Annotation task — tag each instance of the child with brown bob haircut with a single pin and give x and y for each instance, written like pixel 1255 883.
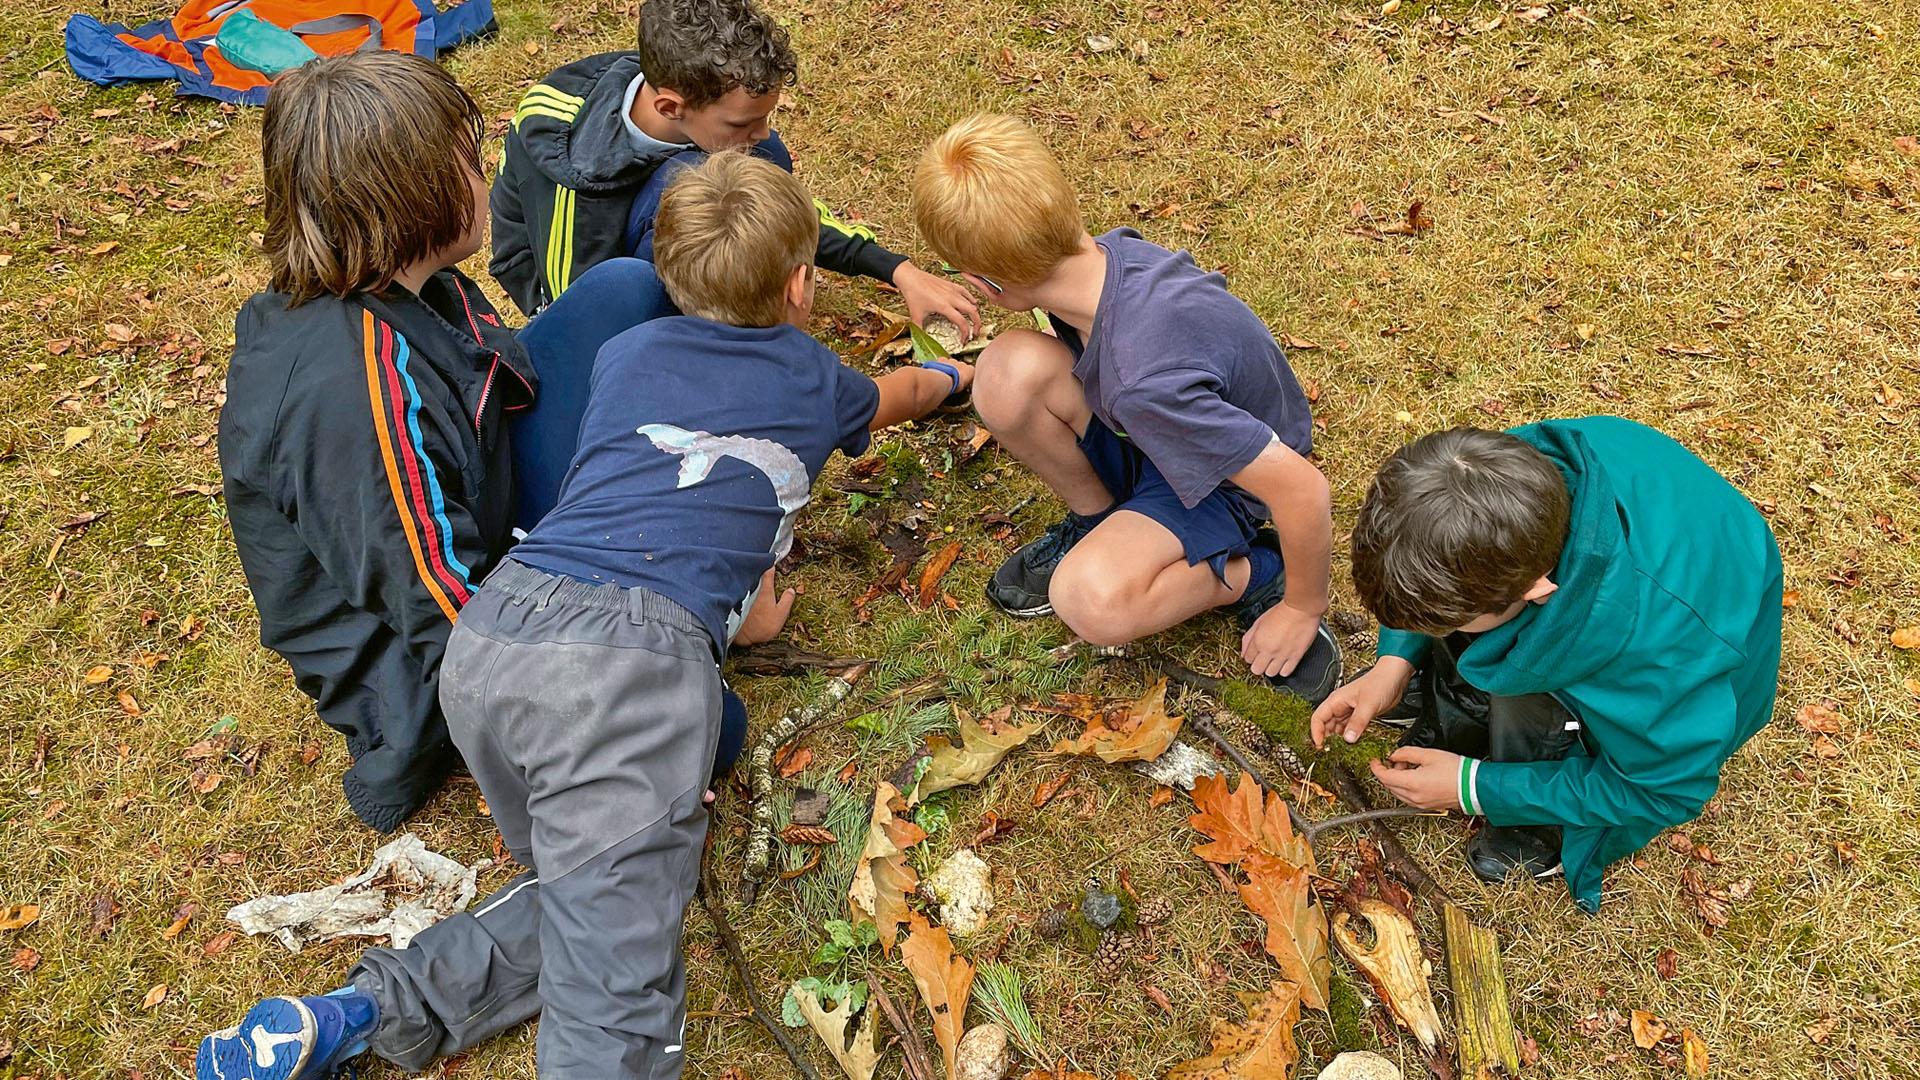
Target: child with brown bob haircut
pixel 582 682
pixel 363 442
pixel 1585 627
pixel 1160 410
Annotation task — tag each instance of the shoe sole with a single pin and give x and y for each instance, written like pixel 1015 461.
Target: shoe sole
pixel 245 1040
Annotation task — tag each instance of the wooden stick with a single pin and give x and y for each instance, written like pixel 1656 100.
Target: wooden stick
pixel 759 859
pixel 716 913
pixel 919 1065
pixel 1484 1038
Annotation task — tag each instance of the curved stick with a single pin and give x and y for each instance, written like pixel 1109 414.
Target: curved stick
pixel 716 913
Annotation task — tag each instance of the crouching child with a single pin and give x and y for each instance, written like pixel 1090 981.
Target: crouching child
pixel 1160 411
pixel 582 681
pixel 1585 627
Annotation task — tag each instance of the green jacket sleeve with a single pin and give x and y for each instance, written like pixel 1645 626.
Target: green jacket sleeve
pixel 1661 779
pixel 1407 646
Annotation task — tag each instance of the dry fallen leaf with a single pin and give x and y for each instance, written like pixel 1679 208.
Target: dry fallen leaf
pixel 856 1052
pixel 26 958
pixel 1044 792
pixel 154 996
pixel 75 436
pixel 1248 827
pixel 1667 963
pixel 219 943
pixel 937 568
pixel 1819 718
pixel 985 743
pixel 945 982
pixel 180 920
pixel 1263 1048
pixel 98 674
pixel 1648 1029
pixel 1907 637
pixel 1695 1049
pixel 1161 796
pixel 18 916
pixel 1820 1031
pixel 882 879
pixel 796 762
pixel 1142 735
pixel 127 704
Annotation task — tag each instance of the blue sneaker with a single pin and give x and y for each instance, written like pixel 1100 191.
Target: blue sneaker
pixel 284 1038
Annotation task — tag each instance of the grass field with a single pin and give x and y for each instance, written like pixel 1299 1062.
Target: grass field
pixel 1700 216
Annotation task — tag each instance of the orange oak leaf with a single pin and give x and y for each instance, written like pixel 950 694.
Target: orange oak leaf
pixel 1282 895
pixel 882 879
pixel 945 981
pixel 1242 822
pixel 1143 734
pixel 1263 1048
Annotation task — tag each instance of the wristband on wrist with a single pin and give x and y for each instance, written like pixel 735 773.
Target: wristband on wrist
pixel 1469 779
pixel 946 369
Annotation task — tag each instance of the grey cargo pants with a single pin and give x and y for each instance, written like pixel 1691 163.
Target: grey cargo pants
pixel 588 715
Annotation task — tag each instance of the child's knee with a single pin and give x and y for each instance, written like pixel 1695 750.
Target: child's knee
pixel 1014 372
pixel 1095 604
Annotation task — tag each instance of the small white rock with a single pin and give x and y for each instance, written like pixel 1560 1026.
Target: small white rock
pixel 1360 1065
pixel 1101 43
pixel 964 887
pixel 983 1054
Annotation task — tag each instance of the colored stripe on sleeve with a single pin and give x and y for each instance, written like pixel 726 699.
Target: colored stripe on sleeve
pixel 397 451
pixel 832 221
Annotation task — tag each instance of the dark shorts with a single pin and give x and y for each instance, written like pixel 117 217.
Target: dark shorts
pixel 1221 527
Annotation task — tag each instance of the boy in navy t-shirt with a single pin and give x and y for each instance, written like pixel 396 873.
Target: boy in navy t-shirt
pixel 582 681
pixel 1163 414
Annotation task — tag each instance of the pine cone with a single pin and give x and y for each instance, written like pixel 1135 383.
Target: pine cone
pixel 1115 953
pixel 1290 762
pixel 808 835
pixel 1154 912
pixel 1053 923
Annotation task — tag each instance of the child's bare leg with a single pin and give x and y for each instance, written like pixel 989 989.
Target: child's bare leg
pixel 1129 578
pixel 1026 394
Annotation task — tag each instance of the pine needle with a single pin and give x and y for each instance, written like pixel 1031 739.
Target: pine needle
pixel 996 987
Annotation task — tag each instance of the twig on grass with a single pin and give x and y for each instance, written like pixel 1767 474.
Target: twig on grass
pixel 716 913
pixel 759 860
pixel 919 1065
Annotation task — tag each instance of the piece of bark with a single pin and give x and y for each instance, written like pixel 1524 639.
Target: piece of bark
pixel 1395 966
pixel 1484 1039
pixel 779 658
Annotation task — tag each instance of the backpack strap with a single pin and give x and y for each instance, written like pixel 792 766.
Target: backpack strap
pixel 336 24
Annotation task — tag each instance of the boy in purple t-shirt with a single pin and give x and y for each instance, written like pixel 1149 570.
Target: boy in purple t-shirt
pixel 1163 414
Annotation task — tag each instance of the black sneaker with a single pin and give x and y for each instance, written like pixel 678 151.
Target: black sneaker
pixel 1500 851
pixel 1019 587
pixel 1318 672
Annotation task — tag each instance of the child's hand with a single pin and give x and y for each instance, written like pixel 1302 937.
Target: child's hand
pixel 966 374
pixel 767 617
pixel 1422 777
pixel 1277 640
pixel 1348 710
pixel 927 294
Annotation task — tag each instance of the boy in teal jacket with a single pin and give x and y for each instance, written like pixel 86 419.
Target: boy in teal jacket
pixel 1589 627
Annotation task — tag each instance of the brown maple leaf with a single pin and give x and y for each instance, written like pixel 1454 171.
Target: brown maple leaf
pixel 1244 821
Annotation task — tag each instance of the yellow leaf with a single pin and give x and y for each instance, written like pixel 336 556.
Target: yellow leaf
pixel 75 436
pixel 1648 1029
pixel 127 704
pixel 19 916
pixel 956 766
pixel 154 996
pixel 945 981
pixel 1143 735
pixel 882 879
pixel 1694 1049
pixel 98 674
pixel 858 1056
pixel 1907 637
pixel 1260 1049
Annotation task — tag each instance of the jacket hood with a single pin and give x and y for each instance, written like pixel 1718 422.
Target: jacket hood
pixel 571 126
pixel 1591 618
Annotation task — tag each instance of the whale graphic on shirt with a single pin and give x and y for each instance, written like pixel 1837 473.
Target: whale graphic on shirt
pixel 700 451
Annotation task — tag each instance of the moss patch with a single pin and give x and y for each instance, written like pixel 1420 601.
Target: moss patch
pixel 1284 718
